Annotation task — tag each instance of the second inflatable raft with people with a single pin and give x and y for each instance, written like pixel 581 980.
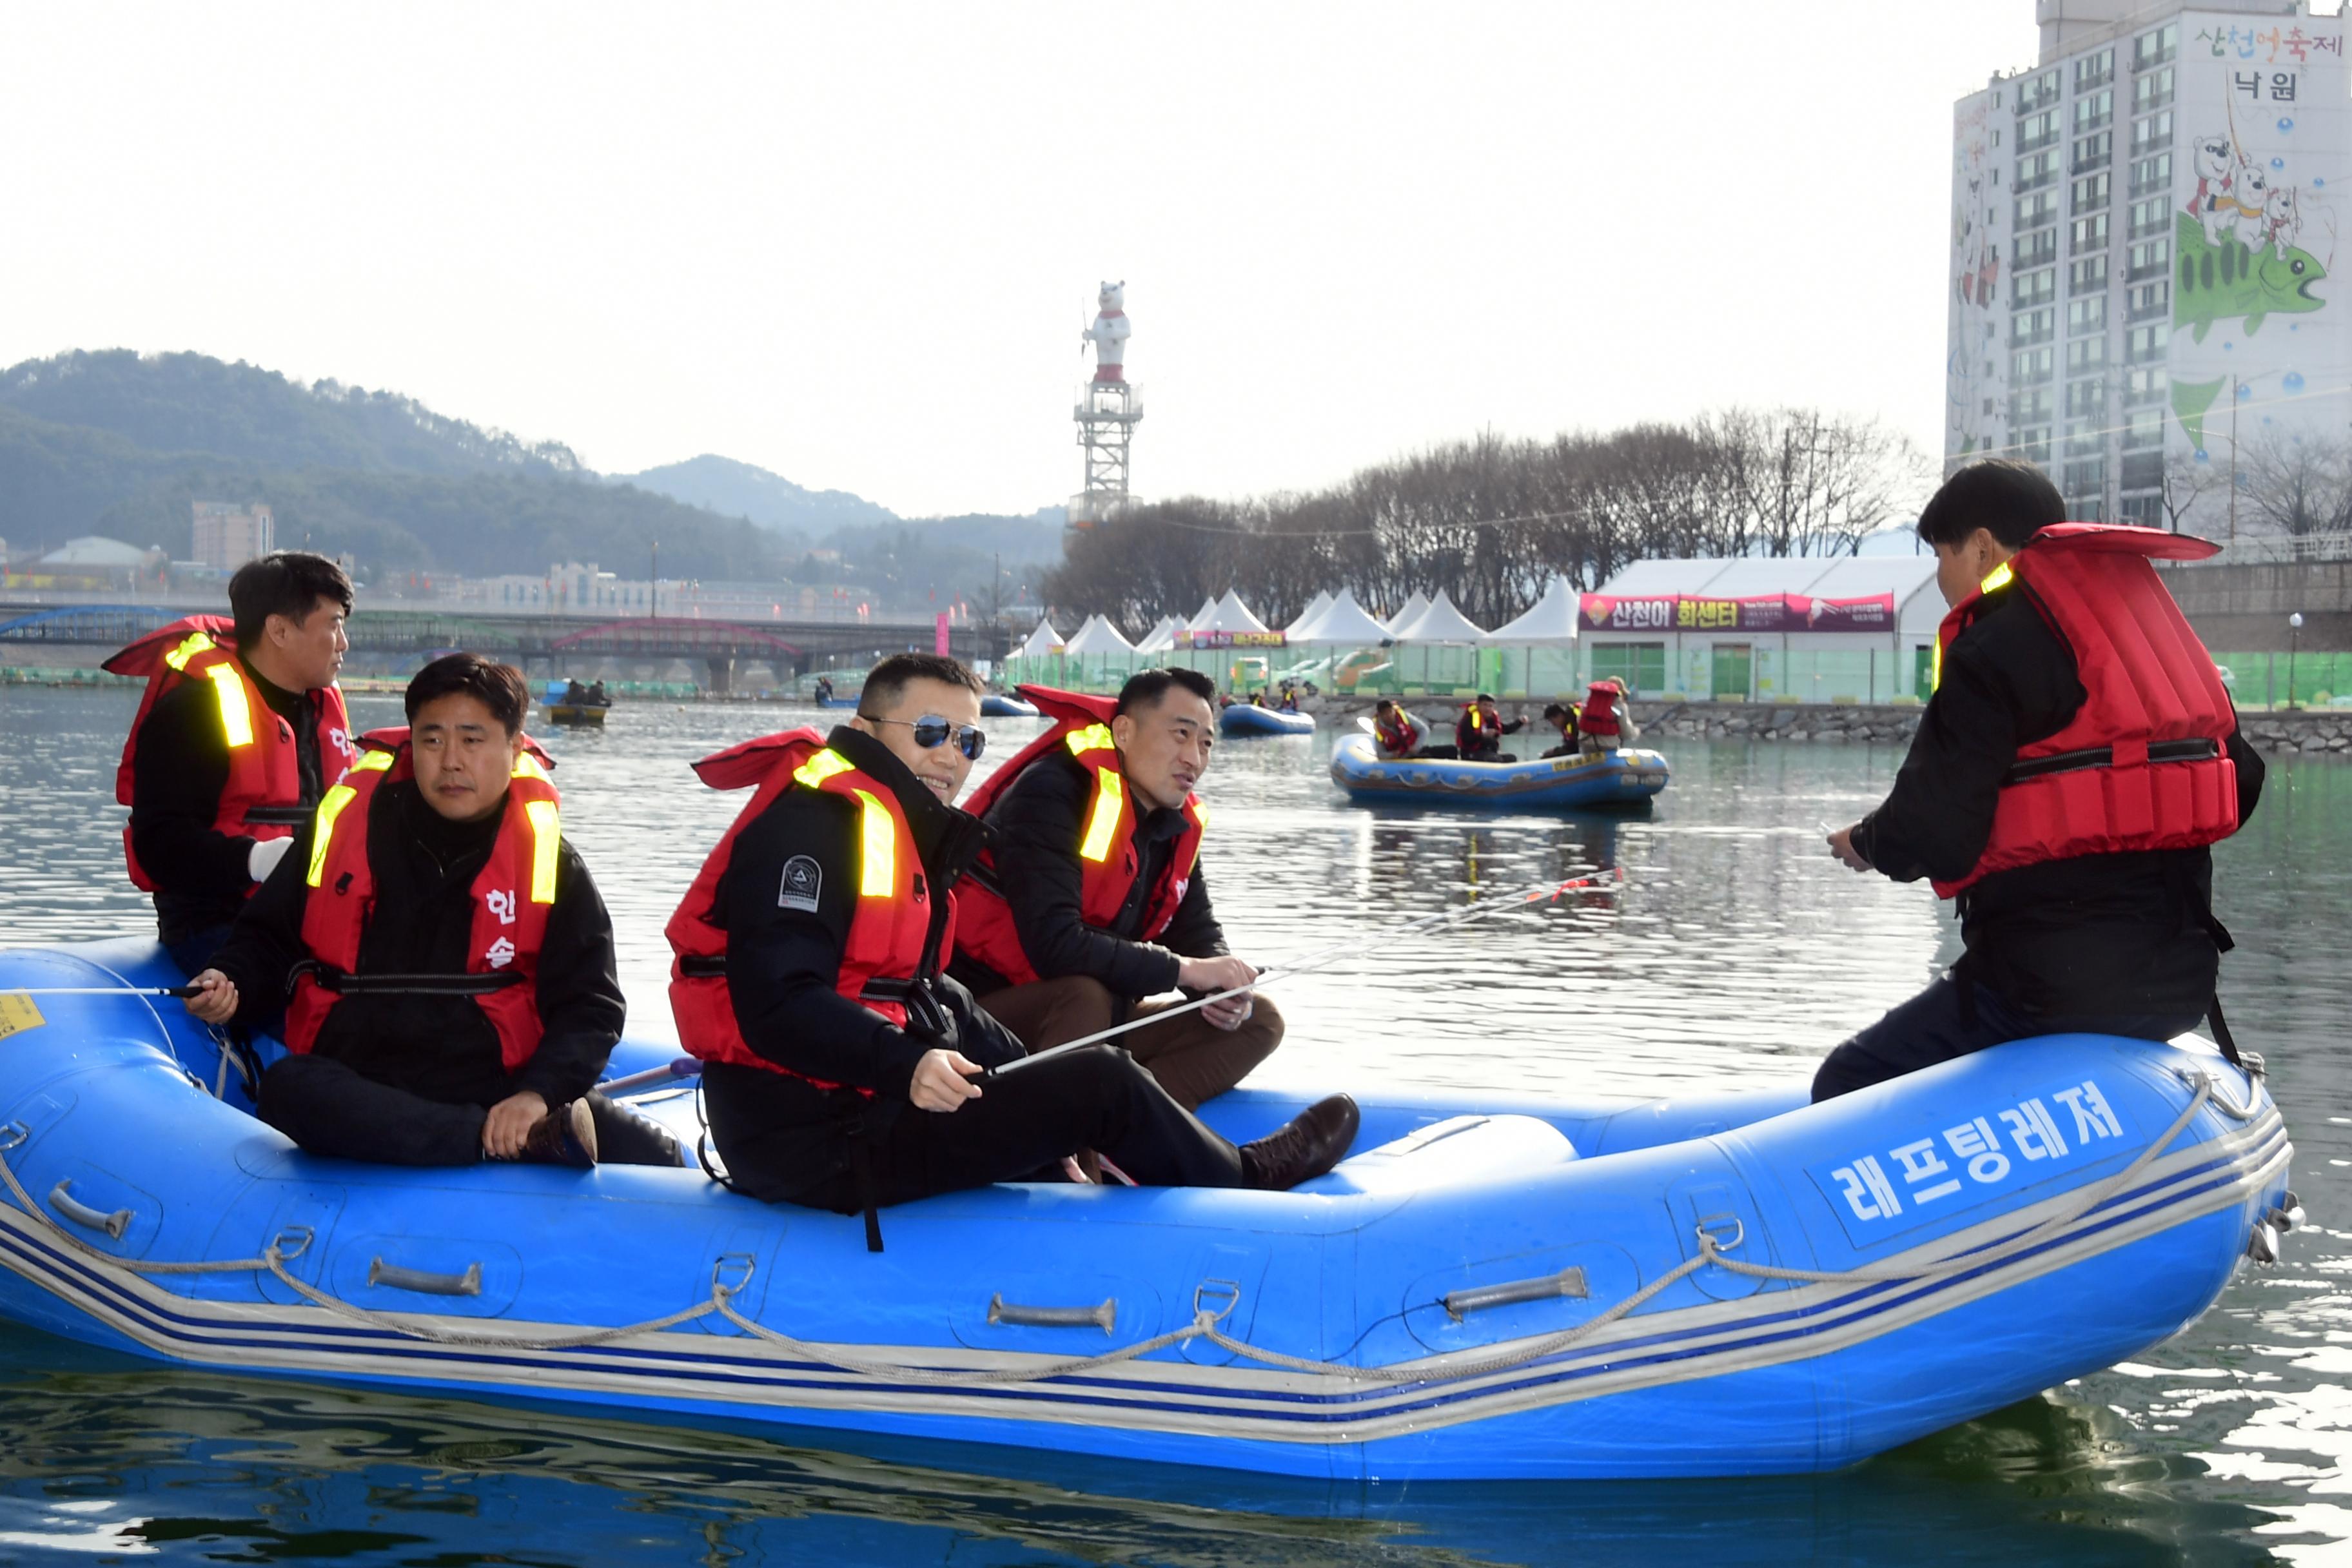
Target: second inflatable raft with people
pixel 1627 777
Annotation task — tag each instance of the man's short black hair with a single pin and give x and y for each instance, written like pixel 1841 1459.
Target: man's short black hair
pixel 497 687
pixel 887 680
pixel 1555 711
pixel 2014 500
pixel 1486 697
pixel 1149 687
pixel 289 583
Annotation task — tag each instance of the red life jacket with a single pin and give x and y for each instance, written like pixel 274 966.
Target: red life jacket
pixel 883 956
pixel 512 895
pixel 263 797
pixel 2144 764
pixel 1598 716
pixel 1107 863
pixel 1397 737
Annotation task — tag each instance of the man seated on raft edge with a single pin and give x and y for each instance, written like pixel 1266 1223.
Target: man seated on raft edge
pixel 443 858
pixel 839 1060
pixel 1478 734
pixel 1093 896
pixel 1561 716
pixel 2059 936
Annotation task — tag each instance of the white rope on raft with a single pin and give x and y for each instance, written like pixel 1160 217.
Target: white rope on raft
pixel 1205 1319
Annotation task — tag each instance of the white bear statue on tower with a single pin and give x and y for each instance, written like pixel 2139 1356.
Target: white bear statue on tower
pixel 1109 332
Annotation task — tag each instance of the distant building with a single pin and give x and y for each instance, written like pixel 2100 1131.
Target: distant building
pixel 2137 225
pixel 228 535
pixel 87 564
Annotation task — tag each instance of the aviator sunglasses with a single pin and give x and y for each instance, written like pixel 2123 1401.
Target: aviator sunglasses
pixel 930 729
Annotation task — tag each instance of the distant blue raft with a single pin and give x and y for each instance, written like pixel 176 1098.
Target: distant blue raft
pixel 996 705
pixel 1620 778
pixel 1248 718
pixel 1495 1287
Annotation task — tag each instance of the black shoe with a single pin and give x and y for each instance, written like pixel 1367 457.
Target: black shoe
pixel 1302 1148
pixel 564 1136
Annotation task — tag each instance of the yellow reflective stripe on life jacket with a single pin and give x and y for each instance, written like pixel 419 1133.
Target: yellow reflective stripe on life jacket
pixel 322 830
pixel 1999 577
pixel 1936 668
pixel 877 872
pixel 236 714
pixel 1110 794
pixel 1093 738
pixel 194 644
pixel 546 835
pixel 528 767
pixel 821 767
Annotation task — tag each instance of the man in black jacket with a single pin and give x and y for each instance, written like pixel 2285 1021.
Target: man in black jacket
pixel 289 609
pixel 1084 976
pixel 837 1084
pixel 404 1074
pixel 2120 943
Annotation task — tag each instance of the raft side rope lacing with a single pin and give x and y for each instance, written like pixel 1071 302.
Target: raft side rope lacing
pixel 1205 1318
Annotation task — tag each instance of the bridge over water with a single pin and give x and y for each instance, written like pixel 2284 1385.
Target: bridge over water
pixel 542 644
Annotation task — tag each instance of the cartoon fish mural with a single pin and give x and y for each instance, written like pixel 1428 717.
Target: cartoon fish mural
pixel 2216 282
pixel 2190 399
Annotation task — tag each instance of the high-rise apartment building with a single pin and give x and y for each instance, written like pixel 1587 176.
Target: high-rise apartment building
pixel 230 535
pixel 2143 230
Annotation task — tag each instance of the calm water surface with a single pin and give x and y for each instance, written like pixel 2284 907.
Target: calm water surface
pixel 1732 949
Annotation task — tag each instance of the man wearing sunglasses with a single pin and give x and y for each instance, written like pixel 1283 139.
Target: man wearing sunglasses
pixel 1091 897
pixel 838 1060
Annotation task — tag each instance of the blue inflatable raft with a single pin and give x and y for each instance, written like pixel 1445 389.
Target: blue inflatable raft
pixel 1491 1287
pixel 997 705
pixel 1622 778
pixel 1248 718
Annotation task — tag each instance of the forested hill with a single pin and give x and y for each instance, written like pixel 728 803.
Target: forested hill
pixel 117 444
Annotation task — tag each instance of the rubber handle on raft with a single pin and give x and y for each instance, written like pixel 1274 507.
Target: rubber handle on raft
pixel 1102 1316
pixel 470 1283
pixel 62 1200
pixel 1459 1304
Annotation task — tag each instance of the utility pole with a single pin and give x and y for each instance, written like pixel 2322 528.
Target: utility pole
pixel 2234 459
pixel 653 585
pixel 996 588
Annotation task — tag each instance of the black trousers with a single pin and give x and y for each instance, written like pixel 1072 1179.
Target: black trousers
pixel 1022 1124
pixel 1936 1026
pixel 329 1109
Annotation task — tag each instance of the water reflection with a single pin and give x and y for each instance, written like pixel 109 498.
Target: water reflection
pixel 1733 949
pixel 189 1467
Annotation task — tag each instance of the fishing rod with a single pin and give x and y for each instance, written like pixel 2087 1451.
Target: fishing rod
pixel 1437 919
pixel 182 992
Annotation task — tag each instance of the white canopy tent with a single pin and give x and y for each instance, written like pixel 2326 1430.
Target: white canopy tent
pixel 1097 635
pixel 1043 641
pixel 1229 614
pixel 1162 636
pixel 1303 627
pixel 1203 616
pixel 1410 614
pixel 1550 622
pixel 1345 624
pixel 1439 623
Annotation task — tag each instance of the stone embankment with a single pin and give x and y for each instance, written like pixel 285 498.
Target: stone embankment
pixel 2305 730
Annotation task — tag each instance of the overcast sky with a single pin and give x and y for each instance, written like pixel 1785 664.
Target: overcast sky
pixel 855 243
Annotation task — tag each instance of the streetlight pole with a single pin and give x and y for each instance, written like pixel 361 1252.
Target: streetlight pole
pixel 653 587
pixel 2294 640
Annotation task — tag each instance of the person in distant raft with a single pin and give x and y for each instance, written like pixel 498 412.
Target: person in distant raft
pixel 1091 898
pixel 241 731
pixel 1561 716
pixel 451 962
pixel 1478 734
pixel 1398 734
pixel 1601 722
pixel 2078 756
pixel 838 1060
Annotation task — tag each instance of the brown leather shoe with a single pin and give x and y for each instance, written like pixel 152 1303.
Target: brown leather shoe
pixel 1302 1148
pixel 564 1136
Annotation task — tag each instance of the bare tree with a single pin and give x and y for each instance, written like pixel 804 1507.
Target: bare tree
pixel 2295 485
